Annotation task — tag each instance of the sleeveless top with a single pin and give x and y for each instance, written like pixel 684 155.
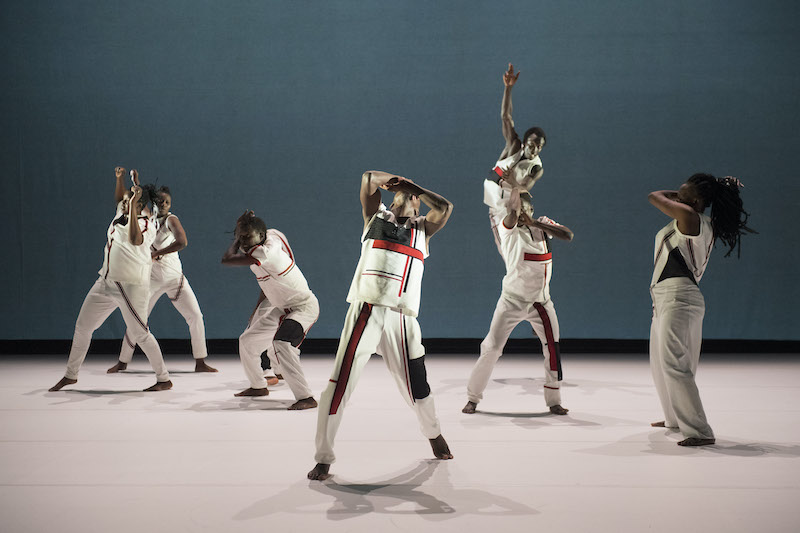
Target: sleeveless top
pixel 677 255
pixel 123 261
pixel 168 266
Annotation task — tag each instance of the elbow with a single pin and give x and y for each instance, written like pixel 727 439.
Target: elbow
pixel 183 243
pixel 569 236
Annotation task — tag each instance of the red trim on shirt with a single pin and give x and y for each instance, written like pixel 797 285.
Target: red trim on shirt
pixel 403 279
pixel 288 251
pixel 497 170
pixel 399 248
pixel 538 257
pixel 250 254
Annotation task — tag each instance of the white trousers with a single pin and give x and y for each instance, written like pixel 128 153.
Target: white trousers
pixel 260 334
pixel 103 298
pixel 397 338
pixel 507 315
pixel 676 334
pixel 183 299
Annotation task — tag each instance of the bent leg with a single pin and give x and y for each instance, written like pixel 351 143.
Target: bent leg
pixel 252 342
pixel 128 346
pixel 132 301
pixel 187 305
pixel 96 308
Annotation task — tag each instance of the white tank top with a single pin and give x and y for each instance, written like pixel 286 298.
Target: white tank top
pixel 521 168
pixel 389 271
pixel 529 263
pixel 123 261
pixel 679 255
pixel 167 266
pixel 277 273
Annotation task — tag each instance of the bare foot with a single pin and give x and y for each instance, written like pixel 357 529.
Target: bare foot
pixel 320 472
pixel 469 408
pixel 63 383
pixel 695 441
pixel 659 424
pixel 160 385
pixel 201 366
pixel 305 403
pixel 253 392
pixel 272 381
pixel 558 410
pixel 440 448
pixel 116 368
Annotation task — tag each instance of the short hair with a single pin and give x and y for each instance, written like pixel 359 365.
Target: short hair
pixel 538 131
pixel 164 189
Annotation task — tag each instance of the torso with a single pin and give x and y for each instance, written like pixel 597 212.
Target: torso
pixel 167 266
pixel 123 261
pixel 277 272
pixel 682 256
pixel 529 263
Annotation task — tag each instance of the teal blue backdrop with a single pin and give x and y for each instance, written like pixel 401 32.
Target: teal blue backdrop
pixel 279 106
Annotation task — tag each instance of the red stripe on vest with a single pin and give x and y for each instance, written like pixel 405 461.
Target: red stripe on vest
pixel 497 170
pixel 539 257
pixel 399 248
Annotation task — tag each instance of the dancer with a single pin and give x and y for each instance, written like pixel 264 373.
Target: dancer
pixel 519 163
pixel 166 277
pixel 682 250
pixel 525 248
pixel 384 302
pixel 285 311
pixel 123 283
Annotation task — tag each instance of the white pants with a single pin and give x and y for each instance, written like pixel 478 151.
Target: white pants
pixel 397 338
pixel 182 297
pixel 260 334
pixel 676 334
pixel 507 315
pixel 103 298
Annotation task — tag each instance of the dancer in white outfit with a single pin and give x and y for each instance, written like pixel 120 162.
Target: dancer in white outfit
pixel 519 164
pixel 124 283
pixel 166 277
pixel 384 302
pixel 285 311
pixel 526 251
pixel 682 250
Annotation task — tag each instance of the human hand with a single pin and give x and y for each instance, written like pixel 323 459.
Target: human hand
pixel 134 176
pixel 137 193
pixel 730 180
pixel 509 78
pixel 398 183
pixel 119 172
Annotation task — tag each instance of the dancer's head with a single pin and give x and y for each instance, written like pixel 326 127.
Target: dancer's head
pixel 728 217
pixel 533 142
pixel 250 230
pixel 163 200
pixel 404 201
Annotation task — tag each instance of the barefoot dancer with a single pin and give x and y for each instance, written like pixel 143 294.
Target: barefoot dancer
pixel 166 277
pixel 285 311
pixel 124 283
pixel 525 248
pixel 384 301
pixel 682 250
pixel 519 162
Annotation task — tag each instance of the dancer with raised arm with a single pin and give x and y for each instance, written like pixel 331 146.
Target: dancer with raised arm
pixel 384 302
pixel 682 251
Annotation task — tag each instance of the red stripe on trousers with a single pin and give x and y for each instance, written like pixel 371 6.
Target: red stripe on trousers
pixel 399 248
pixel 548 332
pixel 349 355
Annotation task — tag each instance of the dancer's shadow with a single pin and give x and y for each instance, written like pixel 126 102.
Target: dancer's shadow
pixel 399 495
pixel 259 403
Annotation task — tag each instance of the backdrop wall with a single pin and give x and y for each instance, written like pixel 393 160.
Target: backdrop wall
pixel 280 106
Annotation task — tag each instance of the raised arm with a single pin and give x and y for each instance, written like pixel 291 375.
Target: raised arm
pixel 509 133
pixel 558 231
pixel 667 202
pixel 120 189
pixel 134 231
pixel 372 181
pixel 181 241
pixel 233 256
pixel 440 207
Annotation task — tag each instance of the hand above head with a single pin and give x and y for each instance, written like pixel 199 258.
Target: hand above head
pixel 137 193
pixel 730 180
pixel 119 172
pixel 509 77
pixel 134 176
pixel 525 218
pixel 398 183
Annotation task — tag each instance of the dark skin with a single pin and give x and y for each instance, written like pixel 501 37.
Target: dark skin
pixel 533 144
pixel 405 205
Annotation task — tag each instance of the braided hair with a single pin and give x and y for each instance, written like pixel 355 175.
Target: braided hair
pixel 728 217
pixel 149 196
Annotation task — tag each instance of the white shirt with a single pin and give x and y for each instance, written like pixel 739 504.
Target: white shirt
pixel 123 261
pixel 277 272
pixel 529 262
pixel 168 266
pixel 678 252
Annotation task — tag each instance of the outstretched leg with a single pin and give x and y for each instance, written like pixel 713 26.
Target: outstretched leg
pixel 545 325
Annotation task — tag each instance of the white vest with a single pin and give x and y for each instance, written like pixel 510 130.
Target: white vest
pixel 123 261
pixel 529 263
pixel 167 266
pixel 277 273
pixel 679 255
pixel 389 272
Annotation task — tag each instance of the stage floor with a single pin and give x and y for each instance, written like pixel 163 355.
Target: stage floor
pixel 101 456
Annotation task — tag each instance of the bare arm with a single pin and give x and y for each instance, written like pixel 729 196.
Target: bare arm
pixel 440 207
pixel 181 241
pixel 372 181
pixel 548 226
pixel 514 208
pixel 667 202
pixel 134 231
pixel 234 257
pixel 509 133
pixel 120 189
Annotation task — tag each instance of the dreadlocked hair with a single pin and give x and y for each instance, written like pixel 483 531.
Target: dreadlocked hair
pixel 728 217
pixel 254 223
pixel 149 195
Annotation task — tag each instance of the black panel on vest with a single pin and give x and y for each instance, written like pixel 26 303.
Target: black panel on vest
pixel 676 267
pixel 381 230
pixel 419 378
pixel 290 331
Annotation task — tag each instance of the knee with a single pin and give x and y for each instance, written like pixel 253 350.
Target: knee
pixel 290 331
pixel 139 336
pixel 419 378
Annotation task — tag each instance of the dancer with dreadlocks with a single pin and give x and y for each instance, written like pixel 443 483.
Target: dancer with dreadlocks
pixel 285 311
pixel 124 282
pixel 682 250
pixel 166 277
